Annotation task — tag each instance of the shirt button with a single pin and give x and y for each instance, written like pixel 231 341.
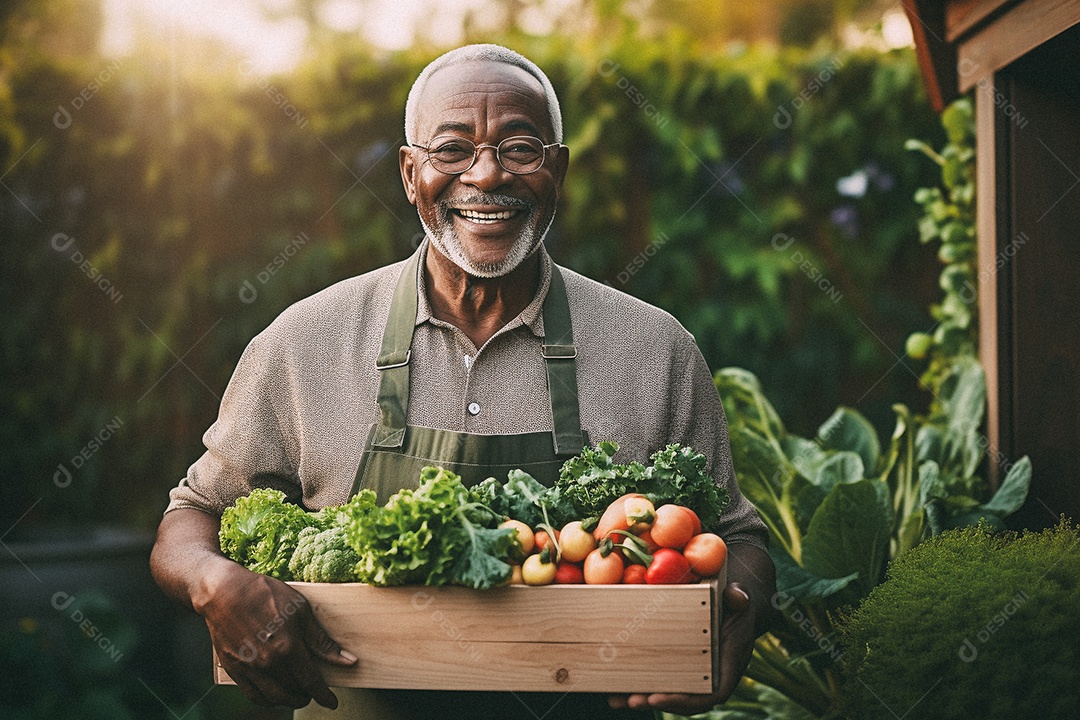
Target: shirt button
pixel 474 408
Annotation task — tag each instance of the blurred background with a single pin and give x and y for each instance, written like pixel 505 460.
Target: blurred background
pixel 176 174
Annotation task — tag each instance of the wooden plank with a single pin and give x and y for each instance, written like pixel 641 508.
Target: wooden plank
pixel 936 57
pixel 987 210
pixel 526 667
pixel 1042 266
pixel 671 614
pixel 1024 27
pixel 569 638
pixel 963 16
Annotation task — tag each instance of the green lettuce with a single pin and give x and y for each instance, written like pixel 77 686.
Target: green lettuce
pixel 261 530
pixel 436 534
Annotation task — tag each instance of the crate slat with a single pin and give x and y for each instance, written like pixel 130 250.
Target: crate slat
pixel 570 638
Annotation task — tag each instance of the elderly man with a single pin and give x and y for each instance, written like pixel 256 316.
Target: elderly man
pixel 477 354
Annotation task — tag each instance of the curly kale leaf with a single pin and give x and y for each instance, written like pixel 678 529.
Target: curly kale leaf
pixel 679 475
pixel 591 481
pixel 323 556
pixel 261 530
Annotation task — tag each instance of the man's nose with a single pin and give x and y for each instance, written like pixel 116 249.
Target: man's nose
pixel 486 173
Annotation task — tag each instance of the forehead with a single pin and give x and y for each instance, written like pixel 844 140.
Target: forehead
pixel 482 95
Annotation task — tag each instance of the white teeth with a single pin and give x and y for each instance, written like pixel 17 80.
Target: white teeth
pixel 482 217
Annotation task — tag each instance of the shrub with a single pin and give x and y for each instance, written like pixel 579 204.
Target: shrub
pixel 971 623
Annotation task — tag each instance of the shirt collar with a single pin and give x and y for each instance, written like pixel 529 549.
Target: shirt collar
pixel 531 317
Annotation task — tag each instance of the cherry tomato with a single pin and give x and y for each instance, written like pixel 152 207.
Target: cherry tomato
pixel 541 539
pixel 634 575
pixel 569 573
pixel 706 554
pixel 668 567
pixel 601 570
pixel 694 517
pixel 673 527
pixel 525 539
pixel 535 571
pixel 576 544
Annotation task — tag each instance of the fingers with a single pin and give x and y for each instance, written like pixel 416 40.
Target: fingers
pixel 321 644
pixel 275 662
pixel 736 649
pixel 678 703
pixel 735 597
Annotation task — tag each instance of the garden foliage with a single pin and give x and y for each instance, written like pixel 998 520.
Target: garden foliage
pixel 761 195
pixel 842 504
pixel 972 623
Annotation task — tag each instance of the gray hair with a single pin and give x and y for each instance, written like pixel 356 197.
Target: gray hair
pixel 486 51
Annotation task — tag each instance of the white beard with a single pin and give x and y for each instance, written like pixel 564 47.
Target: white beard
pixel 447 242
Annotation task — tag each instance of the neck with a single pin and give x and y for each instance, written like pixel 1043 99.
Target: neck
pixel 479 307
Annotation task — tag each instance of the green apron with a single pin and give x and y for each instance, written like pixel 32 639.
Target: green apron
pixel 393 457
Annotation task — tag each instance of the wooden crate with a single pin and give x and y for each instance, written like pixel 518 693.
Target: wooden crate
pixel 567 638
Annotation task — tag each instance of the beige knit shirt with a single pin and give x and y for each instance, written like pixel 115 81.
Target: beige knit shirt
pixel 298 408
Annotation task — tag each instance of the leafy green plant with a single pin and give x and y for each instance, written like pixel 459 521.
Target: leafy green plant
pixel 971 623
pixel 841 505
pixel 949 218
pixel 838 507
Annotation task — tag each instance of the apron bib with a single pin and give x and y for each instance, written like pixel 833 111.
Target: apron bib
pixel 393 457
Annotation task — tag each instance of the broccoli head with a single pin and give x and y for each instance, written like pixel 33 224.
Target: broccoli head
pixel 323 556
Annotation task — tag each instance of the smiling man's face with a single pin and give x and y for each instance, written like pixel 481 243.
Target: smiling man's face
pixel 486 220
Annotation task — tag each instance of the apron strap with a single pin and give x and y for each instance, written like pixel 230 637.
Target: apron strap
pixel 394 356
pixel 558 351
pixel 559 357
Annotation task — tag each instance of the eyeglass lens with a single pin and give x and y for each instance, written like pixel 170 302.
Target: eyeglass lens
pixel 455 155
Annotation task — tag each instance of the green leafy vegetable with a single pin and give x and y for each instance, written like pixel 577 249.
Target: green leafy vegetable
pixel 519 497
pixel 261 531
pixel 323 556
pixel 591 481
pixel 433 535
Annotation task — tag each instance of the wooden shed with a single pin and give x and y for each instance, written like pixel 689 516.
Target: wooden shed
pixel 1021 61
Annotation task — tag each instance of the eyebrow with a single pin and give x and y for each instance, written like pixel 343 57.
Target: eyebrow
pixel 465 128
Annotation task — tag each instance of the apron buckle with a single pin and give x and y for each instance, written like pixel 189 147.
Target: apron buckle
pixel 385 362
pixel 559 352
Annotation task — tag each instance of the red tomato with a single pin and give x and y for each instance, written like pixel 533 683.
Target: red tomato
pixel 673 527
pixel 634 575
pixel 569 573
pixel 668 567
pixel 706 554
pixel 601 570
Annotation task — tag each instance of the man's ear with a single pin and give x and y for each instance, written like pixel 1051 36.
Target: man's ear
pixel 408 169
pixel 560 162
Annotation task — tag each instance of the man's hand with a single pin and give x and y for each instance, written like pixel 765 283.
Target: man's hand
pixel 265 634
pixel 268 640
pixel 748 612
